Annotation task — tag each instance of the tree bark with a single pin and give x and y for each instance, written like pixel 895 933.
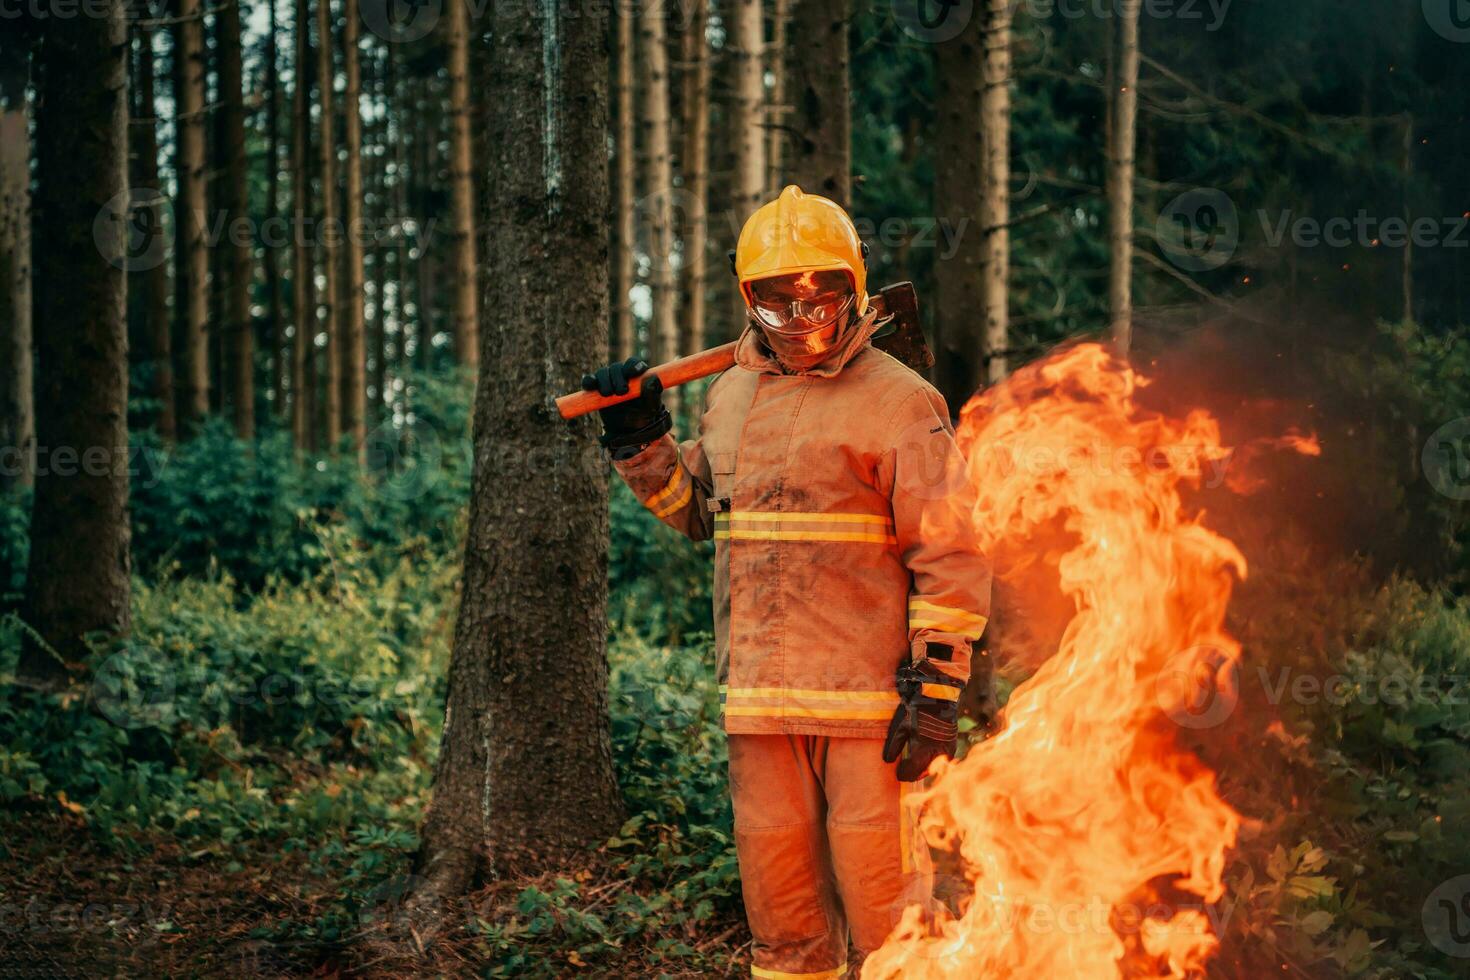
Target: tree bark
pixel 995 116
pixel 303 288
pixel 191 278
pixel 658 180
pixel 330 231
pixel 158 330
pixel 959 183
pixel 461 185
pixel 625 230
pixel 747 109
pixel 778 112
pixel 239 329
pixel 275 331
pixel 821 93
pixel 78 580
pixel 694 160
pixel 378 325
pixel 353 364
pixel 1124 97
pixel 17 396
pixel 525 764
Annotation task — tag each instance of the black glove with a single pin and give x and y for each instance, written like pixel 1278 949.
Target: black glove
pixel 928 725
pixel 635 423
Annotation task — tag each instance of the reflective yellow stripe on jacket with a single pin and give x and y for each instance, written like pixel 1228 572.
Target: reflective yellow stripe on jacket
pixel 924 615
pixel 765 974
pixel 675 494
pixel 786 702
pixel 756 525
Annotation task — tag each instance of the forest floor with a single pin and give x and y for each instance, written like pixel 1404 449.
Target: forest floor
pixel 147 907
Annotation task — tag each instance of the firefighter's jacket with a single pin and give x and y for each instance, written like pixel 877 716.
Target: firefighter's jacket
pixel 843 535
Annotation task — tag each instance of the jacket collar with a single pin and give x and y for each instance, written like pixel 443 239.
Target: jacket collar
pixel 752 355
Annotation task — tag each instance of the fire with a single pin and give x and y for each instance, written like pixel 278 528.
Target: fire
pixel 1093 842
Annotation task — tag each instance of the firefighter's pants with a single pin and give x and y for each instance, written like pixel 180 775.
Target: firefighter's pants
pixel 825 846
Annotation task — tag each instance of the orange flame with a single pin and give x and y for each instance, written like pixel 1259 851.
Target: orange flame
pixel 1092 842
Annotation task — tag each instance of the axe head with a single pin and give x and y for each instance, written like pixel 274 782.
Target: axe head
pixel 899 333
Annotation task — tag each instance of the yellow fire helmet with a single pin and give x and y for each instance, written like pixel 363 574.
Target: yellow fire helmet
pixel 800 233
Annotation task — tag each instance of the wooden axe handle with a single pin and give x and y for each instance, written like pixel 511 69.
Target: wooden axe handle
pixel 675 373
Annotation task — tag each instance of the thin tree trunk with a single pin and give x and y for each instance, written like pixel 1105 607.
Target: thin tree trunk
pixel 995 112
pixel 695 162
pixel 1407 269
pixel 625 231
pixel 78 580
pixel 275 331
pixel 959 182
pixel 158 329
pixel 1120 179
pixel 239 328
pixel 303 289
pixel 778 112
pixel 461 186
pixel 658 179
pixel 378 341
pixel 17 397
pixel 353 361
pixel 400 208
pixel 747 109
pixel 191 278
pixel 426 139
pixel 821 93
pixel 331 231
pixel 529 551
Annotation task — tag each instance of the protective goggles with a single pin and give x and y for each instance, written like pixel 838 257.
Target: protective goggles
pixel 802 302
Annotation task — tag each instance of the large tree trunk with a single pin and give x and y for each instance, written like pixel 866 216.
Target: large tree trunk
pixel 625 193
pixel 353 362
pixel 239 329
pixel 1124 99
pixel 959 204
pixel 995 116
pixel 525 764
pixel 461 186
pixel 191 278
pixel 275 331
pixel 78 580
pixel 303 289
pixel 821 92
pixel 658 180
pixel 158 331
pixel 331 231
pixel 17 400
pixel 694 161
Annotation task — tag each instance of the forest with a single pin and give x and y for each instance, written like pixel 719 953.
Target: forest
pixel 328 647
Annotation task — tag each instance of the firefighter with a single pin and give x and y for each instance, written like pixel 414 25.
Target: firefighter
pixel 847 590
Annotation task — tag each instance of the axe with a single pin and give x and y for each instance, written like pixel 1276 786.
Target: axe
pixel 899 334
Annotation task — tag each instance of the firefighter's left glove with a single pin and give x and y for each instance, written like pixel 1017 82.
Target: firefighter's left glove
pixel 927 720
pixel 629 426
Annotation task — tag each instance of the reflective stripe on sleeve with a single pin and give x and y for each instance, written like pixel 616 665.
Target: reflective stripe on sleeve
pixel 765 974
pixel 925 615
pixel 942 692
pixel 675 494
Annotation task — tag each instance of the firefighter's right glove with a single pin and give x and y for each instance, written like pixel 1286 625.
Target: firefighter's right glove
pixel 629 426
pixel 927 720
